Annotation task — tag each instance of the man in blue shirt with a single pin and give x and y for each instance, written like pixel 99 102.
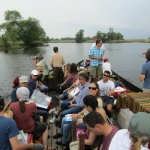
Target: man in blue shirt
pixel 95 55
pixel 9 132
pixel 145 73
pixel 74 105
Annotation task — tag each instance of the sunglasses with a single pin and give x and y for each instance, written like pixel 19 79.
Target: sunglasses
pixel 40 71
pixel 81 79
pixel 92 88
pixel 106 75
pixel 35 75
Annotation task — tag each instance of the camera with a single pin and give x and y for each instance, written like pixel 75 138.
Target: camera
pixel 33 57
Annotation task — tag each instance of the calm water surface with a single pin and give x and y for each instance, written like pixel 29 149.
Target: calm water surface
pixel 126 59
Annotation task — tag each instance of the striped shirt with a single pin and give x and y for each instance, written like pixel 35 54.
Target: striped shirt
pixel 94 51
pixel 84 90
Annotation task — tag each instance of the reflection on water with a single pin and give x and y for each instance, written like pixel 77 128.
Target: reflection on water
pixel 125 60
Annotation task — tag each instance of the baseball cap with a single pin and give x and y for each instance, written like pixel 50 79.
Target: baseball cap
pixel 34 72
pixel 105 59
pixel 23 93
pixel 23 79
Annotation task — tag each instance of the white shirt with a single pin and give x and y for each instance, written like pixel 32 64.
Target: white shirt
pixel 121 141
pixel 105 87
pixel 106 66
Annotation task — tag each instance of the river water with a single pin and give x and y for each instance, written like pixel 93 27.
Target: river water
pixel 126 59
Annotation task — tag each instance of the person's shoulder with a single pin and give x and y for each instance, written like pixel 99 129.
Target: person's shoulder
pixel 99 82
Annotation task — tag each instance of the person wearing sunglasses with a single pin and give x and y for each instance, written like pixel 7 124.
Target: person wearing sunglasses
pixel 106 87
pixel 91 104
pixel 32 79
pixel 135 137
pixel 43 88
pixel 75 104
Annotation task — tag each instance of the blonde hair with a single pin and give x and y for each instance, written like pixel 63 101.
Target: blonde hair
pixel 39 68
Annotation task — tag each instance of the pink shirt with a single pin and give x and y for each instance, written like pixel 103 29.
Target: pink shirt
pixel 72 78
pixel 24 120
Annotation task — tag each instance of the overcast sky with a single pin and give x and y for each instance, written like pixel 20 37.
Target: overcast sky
pixel 64 18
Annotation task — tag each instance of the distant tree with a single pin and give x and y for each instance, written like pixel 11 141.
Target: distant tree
pixel 119 36
pixel 17 28
pixel 101 36
pixel 80 36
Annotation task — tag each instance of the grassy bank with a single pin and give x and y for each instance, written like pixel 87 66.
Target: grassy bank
pixel 115 41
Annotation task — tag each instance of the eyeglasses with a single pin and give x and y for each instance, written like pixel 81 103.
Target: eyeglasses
pixel 92 88
pixel 105 75
pixel 40 71
pixel 81 79
pixel 35 75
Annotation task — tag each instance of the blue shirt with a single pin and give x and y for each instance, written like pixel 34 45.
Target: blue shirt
pixel 146 71
pixel 8 129
pixel 84 90
pixel 32 83
pixel 94 51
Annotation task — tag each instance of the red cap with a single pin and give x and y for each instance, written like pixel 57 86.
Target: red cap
pixel 105 59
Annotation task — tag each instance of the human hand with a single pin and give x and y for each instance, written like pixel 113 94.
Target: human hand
pixel 109 93
pixel 75 116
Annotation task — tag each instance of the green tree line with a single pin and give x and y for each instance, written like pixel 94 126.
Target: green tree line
pixel 105 37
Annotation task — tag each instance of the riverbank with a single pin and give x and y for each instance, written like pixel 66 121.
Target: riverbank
pixel 20 45
pixel 114 41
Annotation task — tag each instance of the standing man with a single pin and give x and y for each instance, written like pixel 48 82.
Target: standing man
pixel 56 61
pixel 95 55
pixel 9 132
pixel 102 47
pixel 145 73
pixel 106 88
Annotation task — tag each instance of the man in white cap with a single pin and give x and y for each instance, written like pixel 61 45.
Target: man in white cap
pixel 9 132
pixel 136 137
pixel 23 82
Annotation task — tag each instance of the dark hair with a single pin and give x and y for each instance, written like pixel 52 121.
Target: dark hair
pixel 2 103
pixel 55 49
pixel 98 41
pixel 22 106
pixel 91 101
pixel 73 69
pixel 98 92
pixel 85 76
pixel 148 54
pixel 93 118
pixel 108 72
pixel 16 82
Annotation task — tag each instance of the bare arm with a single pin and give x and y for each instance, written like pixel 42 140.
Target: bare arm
pixel 8 114
pixel 34 62
pixel 94 57
pixel 142 77
pixel 91 139
pixel 20 146
pixel 111 92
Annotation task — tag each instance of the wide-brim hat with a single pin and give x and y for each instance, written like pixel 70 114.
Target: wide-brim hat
pixel 39 55
pixel 139 125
